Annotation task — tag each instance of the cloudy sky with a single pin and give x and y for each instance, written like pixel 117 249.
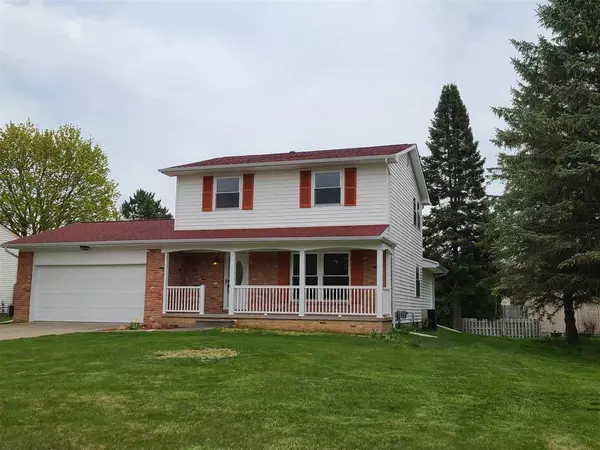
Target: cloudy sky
pixel 164 83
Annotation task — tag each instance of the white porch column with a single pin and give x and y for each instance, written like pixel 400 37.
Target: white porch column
pixel 231 283
pixel 302 284
pixel 379 292
pixel 166 282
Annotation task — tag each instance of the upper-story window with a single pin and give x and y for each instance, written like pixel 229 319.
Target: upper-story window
pixel 328 188
pixel 227 194
pixel 417 213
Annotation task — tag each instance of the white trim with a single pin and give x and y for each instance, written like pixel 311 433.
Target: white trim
pixel 144 243
pixel 314 187
pixel 320 264
pixel 174 171
pixel 379 285
pixel 32 293
pixel 239 191
pixel 433 266
pixel 417 166
pixel 301 281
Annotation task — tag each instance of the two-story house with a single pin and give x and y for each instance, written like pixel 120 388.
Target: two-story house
pixel 327 239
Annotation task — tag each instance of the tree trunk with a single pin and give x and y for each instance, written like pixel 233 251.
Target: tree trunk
pixel 457 315
pixel 570 327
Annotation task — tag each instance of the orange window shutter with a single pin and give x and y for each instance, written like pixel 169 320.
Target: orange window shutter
pixel 283 268
pixel 248 191
pixel 305 189
pixel 356 268
pixel 350 186
pixel 207 193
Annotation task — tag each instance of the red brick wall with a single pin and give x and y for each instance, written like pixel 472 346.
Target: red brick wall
pixel 23 287
pixel 369 266
pixel 199 269
pixel 177 263
pixel 153 305
pixel 334 326
pixel 264 268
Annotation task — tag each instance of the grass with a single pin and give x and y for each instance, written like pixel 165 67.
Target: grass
pixel 279 391
pixel 5 319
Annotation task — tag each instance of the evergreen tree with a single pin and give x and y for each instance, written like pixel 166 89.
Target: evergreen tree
pixel 455 226
pixel 143 206
pixel 547 226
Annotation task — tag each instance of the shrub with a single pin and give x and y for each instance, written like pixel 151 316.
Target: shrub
pixel 135 324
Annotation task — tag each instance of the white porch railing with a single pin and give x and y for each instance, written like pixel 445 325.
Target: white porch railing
pixel 184 299
pixel 341 300
pixel 323 300
pixel 266 299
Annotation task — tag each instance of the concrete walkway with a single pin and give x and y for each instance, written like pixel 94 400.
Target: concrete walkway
pixel 34 329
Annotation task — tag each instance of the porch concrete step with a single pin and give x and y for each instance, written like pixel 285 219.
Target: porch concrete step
pixel 214 323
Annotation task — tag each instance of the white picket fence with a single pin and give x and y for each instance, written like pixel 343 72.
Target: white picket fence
pixel 512 327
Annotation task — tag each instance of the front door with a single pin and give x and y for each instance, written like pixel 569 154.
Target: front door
pixel 240 277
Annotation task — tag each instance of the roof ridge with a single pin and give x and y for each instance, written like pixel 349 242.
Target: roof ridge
pixel 341 149
pixel 297 156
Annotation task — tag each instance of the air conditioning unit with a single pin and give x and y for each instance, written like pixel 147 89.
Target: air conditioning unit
pixel 428 319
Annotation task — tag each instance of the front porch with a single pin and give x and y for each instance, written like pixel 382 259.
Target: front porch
pixel 313 284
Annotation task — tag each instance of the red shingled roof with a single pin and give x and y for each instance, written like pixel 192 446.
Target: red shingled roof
pixel 163 230
pixel 381 150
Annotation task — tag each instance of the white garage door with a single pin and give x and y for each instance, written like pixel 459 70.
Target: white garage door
pixel 88 293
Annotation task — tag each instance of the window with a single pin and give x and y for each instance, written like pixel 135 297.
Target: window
pixel 418 282
pixel 328 188
pixel 335 269
pixel 228 193
pixel 417 218
pixel 312 274
pixel 331 269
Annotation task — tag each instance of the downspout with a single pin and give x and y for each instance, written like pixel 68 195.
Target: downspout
pixel 11 253
pixel 391 268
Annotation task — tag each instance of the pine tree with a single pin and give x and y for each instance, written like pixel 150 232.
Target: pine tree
pixel 455 226
pixel 143 206
pixel 547 226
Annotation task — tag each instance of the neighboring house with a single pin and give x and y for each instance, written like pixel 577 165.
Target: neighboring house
pixel 327 239
pixel 587 319
pixel 8 270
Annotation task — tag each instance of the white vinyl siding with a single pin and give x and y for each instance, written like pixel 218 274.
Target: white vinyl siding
pixel 8 268
pixel 276 203
pixel 408 253
pixel 428 289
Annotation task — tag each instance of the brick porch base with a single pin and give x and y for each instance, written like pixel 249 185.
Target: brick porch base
pixel 351 325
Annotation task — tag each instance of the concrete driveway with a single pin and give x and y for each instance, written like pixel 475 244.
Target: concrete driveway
pixel 34 329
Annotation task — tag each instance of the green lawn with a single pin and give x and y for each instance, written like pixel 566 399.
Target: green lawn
pixel 112 390
pixel 5 319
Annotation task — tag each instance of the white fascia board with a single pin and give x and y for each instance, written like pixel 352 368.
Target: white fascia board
pixel 164 242
pixel 419 175
pixel 174 171
pixel 433 266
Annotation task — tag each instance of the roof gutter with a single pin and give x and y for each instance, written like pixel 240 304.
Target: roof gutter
pixel 173 171
pixel 188 241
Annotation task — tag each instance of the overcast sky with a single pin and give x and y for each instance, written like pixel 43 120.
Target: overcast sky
pixel 163 83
